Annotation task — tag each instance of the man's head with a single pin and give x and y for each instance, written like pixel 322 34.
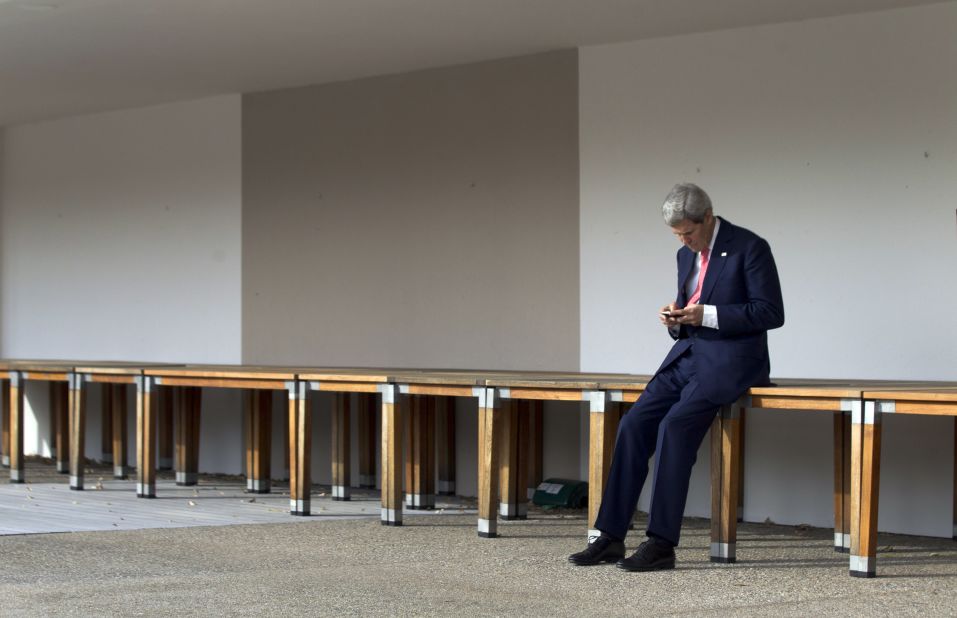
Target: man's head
pixel 687 209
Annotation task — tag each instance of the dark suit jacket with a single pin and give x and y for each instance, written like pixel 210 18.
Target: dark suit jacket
pixel 742 282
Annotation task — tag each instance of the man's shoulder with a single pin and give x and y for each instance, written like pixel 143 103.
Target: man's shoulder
pixel 739 234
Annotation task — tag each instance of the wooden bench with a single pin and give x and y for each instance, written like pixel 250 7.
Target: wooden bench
pixel 180 388
pixel 838 398
pixel 366 383
pixel 845 400
pixel 406 401
pixel 184 384
pixel 512 389
pixel 417 405
pixel 115 378
pixel 933 400
pixel 412 403
pixel 509 434
pixel 856 437
pixel 409 424
pixel 15 375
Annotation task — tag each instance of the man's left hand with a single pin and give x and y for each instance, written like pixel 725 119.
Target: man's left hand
pixel 690 315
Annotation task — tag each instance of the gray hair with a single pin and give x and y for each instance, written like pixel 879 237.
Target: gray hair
pixel 686 201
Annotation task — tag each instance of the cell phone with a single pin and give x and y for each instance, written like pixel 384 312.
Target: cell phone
pixel 668 314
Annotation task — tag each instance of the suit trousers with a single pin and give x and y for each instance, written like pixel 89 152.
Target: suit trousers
pixel 670 419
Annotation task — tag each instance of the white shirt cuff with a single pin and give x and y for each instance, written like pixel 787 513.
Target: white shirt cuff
pixel 710 317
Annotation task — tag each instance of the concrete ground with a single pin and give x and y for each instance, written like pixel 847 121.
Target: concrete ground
pixel 438 565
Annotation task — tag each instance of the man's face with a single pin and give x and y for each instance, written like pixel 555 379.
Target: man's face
pixel 695 236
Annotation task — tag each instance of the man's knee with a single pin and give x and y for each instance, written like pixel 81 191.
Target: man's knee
pixel 684 429
pixel 636 421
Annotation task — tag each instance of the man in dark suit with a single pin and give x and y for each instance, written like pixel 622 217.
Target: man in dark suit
pixel 728 298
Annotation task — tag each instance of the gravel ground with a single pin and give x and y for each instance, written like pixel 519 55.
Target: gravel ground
pixel 438 565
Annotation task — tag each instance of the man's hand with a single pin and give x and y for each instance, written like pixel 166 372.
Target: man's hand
pixel 666 315
pixel 689 316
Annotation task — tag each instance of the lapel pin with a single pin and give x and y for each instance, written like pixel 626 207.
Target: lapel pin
pixel 724 254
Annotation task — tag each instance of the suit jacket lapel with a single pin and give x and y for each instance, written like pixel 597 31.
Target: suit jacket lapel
pixel 717 261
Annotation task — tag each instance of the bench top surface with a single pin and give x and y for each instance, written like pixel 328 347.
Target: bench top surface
pixel 842 389
pixel 890 390
pixel 941 394
pixel 549 380
pixel 345 374
pixel 624 383
pixel 118 367
pixel 40 365
pixel 544 382
pixel 566 380
pixel 236 372
pixel 80 366
pixel 438 378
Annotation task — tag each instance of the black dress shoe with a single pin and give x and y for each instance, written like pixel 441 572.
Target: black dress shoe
pixel 652 555
pixel 603 549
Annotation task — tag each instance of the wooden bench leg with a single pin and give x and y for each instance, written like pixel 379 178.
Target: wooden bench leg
pixel 865 482
pixel 741 435
pixel 106 424
pixel 367 439
pixel 394 408
pixel 118 431
pixel 534 443
pixel 488 458
pixel 408 442
pixel 842 481
pixel 420 453
pixel 186 408
pixel 165 429
pixel 523 410
pixel 195 409
pixel 146 408
pixel 445 444
pixel 725 461
pixel 178 396
pixel 5 426
pixel 284 432
pixel 16 427
pixel 77 410
pixel 258 421
pixel 604 417
pixel 513 500
pixel 424 496
pixel 341 447
pixel 59 412
pixel 300 448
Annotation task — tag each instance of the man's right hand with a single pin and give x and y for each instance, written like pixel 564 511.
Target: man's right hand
pixel 666 319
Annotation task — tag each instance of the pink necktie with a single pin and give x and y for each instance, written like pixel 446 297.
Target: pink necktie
pixel 696 296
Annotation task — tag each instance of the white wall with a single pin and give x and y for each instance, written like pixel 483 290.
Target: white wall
pixel 426 219
pixel 120 238
pixel 836 140
pixel 120 235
